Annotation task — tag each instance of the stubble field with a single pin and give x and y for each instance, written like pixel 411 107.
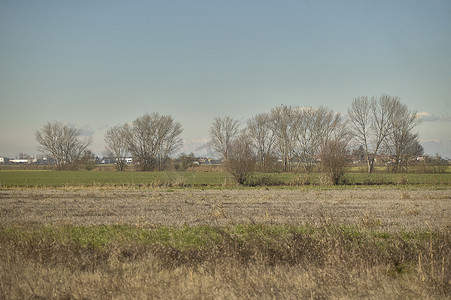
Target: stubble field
pixel 169 243
pixel 388 209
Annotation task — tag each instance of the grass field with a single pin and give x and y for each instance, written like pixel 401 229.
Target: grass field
pixel 133 235
pixel 27 178
pixel 120 179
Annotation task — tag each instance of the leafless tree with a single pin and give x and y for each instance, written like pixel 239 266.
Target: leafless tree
pixel 370 122
pixel 334 159
pixel 416 149
pixel 313 129
pixel 301 132
pixel 283 125
pixel 116 145
pixel 62 143
pixel 241 160
pixel 152 138
pixel 360 120
pixel 402 143
pixel 170 141
pixel 88 160
pixel 222 132
pixel 263 138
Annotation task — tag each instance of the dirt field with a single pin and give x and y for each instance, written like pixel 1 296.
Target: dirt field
pixel 390 209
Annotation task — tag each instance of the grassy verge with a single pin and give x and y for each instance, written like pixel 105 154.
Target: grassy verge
pixel 237 261
pixel 200 179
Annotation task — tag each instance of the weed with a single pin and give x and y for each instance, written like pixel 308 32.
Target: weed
pixel 370 221
pixel 222 262
pixel 403 180
pixel 405 195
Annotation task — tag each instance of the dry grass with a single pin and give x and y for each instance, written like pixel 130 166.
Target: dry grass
pixel 226 263
pixel 225 244
pixel 391 209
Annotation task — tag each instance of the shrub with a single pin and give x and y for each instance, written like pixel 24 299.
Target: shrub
pixel 262 180
pixel 334 160
pixel 241 160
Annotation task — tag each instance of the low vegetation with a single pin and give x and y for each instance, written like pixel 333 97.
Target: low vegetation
pixel 40 178
pixel 122 235
pixel 237 261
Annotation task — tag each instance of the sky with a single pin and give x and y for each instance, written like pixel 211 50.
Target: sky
pixel 96 64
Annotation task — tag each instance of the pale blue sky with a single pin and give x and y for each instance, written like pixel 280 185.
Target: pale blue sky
pixel 101 63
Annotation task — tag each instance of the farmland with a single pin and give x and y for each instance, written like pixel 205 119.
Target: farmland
pixel 197 235
pixel 388 209
pixel 39 178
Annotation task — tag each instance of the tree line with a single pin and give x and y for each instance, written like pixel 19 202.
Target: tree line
pixel 298 137
pixel 289 137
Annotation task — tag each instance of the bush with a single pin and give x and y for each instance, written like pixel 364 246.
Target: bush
pixel 262 180
pixel 241 160
pixel 334 160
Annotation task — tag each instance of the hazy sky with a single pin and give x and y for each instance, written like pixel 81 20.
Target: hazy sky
pixel 96 64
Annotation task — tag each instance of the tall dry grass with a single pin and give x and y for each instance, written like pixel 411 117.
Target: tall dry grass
pixel 234 262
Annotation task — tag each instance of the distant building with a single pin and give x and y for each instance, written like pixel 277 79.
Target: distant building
pixel 111 160
pixel 23 160
pixel 106 160
pixel 206 161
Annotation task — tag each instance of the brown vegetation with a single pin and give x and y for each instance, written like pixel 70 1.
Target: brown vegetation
pixel 321 244
pixel 391 206
pixel 327 262
pixel 335 160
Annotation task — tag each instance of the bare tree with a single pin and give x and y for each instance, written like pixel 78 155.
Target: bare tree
pixel 263 138
pixel 62 143
pixel 222 132
pixel 116 145
pixel 331 126
pixel 370 122
pixel 170 140
pixel 88 160
pixel 241 161
pixel 360 120
pixel 152 138
pixel 334 159
pixel 416 149
pixel 283 125
pixel 402 143
pixel 305 136
pixel 312 129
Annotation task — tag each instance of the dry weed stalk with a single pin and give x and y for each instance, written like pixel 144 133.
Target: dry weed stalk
pixel 252 261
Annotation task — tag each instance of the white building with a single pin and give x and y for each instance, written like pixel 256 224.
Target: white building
pixel 20 161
